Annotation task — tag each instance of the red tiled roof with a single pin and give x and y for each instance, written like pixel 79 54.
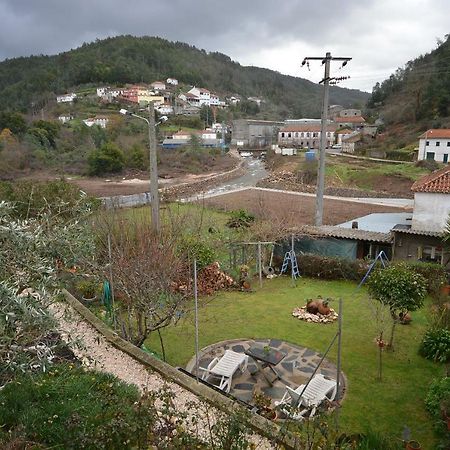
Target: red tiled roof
pixel 352 119
pixel 436 134
pixel 437 182
pixel 307 128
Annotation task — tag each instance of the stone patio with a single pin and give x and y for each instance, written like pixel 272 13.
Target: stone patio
pixel 295 369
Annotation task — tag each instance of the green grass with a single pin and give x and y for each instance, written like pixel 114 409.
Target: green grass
pixel 384 406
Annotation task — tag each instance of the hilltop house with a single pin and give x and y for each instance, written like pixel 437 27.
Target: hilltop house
pixel 305 135
pixel 435 145
pixel 158 86
pixel 64 118
pixel 66 98
pixel 172 81
pixel 422 240
pixel 101 121
pixel 203 95
pixel 353 122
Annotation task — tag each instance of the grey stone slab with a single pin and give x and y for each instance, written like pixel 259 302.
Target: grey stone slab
pixel 307 353
pixel 306 369
pixel 238 348
pixel 244 386
pixel 275 343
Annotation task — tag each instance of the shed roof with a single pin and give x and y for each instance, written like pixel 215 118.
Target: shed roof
pixel 436 134
pixel 350 119
pixel 408 230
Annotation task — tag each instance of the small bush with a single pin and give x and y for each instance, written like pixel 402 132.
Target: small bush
pixel 108 159
pixel 436 345
pixel 436 401
pixel 434 274
pixel 240 219
pixel 331 268
pixel 193 248
pixel 429 164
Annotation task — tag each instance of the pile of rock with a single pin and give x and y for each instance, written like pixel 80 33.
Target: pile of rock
pixel 316 311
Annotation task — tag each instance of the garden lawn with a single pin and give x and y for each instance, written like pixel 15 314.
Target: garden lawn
pixel 385 406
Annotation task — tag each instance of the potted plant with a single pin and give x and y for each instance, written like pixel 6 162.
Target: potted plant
pixel 264 405
pixel 88 289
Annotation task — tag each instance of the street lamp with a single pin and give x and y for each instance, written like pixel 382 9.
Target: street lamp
pixel 153 160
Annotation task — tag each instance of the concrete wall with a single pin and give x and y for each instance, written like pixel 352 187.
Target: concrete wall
pixel 430 211
pixel 253 133
pixel 439 147
pixel 412 247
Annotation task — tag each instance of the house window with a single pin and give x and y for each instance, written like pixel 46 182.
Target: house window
pixel 296 134
pixel 303 135
pixel 314 134
pixel 282 135
pixel 427 143
pixel 429 253
pixel 307 135
pixel 430 156
pixel 289 135
pixel 445 160
pixel 438 144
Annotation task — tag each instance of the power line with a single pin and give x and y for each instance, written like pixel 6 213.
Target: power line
pixel 323 128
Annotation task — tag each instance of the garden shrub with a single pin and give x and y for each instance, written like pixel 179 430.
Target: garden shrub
pixel 429 164
pixel 193 248
pixel 70 408
pixel 434 274
pixel 436 345
pixel 438 399
pixel 108 159
pixel 240 219
pixel 331 268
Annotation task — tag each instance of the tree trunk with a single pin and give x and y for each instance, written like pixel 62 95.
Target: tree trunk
pixel 162 345
pixel 390 345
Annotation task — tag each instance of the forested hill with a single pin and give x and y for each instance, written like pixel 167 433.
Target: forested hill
pixel 126 59
pixel 418 92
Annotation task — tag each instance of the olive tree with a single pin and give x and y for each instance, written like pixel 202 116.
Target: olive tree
pixel 400 289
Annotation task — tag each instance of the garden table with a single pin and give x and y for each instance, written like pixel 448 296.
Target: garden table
pixel 266 357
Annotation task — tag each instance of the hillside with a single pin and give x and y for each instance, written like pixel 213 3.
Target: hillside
pixel 417 94
pixel 31 81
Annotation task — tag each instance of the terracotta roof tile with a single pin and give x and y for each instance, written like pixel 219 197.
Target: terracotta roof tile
pixel 436 134
pixel 307 128
pixel 438 182
pixel 352 119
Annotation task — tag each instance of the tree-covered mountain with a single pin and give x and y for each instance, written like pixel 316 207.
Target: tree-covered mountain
pixel 420 91
pixel 27 81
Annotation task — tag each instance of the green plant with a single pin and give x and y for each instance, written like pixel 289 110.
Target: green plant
pixel 436 345
pixel 437 403
pixel 192 247
pixel 398 288
pixel 240 219
pixel 434 274
pixel 89 288
pixel 108 159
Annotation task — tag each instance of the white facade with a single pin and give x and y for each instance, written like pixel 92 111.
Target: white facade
pixel 172 81
pixel 100 121
pixel 66 98
pixel 65 118
pixel 101 91
pixel 436 149
pixel 158 85
pixel 431 211
pixel 203 95
pixel 165 108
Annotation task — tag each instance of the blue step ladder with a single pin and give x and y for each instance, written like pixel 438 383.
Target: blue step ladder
pixel 290 257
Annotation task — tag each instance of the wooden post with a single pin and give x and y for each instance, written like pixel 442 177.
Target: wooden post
pixel 111 284
pixel 338 366
pixel 196 319
pixel 260 264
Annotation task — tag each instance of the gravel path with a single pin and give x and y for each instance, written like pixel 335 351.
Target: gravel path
pixel 97 353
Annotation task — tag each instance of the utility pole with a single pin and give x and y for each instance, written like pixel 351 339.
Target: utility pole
pixel 323 129
pixel 153 167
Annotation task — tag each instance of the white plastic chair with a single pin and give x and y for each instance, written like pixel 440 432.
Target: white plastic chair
pixel 318 390
pixel 224 368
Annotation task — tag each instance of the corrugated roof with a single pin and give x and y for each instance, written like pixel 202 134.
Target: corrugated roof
pixel 408 230
pixel 435 182
pixel 436 134
pixel 350 119
pixel 307 127
pixel 342 233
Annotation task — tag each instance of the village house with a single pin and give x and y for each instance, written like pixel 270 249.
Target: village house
pixel 64 118
pixel 158 86
pixel 172 81
pixel 422 239
pixel 164 108
pixel 101 121
pixel 207 138
pixel 101 91
pixel 353 122
pixel 434 145
pixel 202 94
pixel 190 99
pixel 233 100
pixel 305 135
pixel 66 98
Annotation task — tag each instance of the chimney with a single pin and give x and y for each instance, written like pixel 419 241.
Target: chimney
pixel 355 224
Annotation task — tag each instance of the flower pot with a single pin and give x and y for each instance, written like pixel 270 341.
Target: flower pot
pixel 89 300
pixel 413 445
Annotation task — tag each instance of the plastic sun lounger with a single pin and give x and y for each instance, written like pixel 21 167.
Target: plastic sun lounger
pixel 318 390
pixel 224 368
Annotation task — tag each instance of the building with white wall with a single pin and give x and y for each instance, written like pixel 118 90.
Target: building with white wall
pixel 202 94
pixel 306 135
pixel 172 81
pixel 101 121
pixel 435 145
pixel 66 98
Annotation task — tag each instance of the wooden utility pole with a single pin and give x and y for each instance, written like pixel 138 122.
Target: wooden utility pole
pixel 323 129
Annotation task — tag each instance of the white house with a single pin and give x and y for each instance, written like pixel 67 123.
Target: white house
pixel 256 100
pixel 158 86
pixel 432 201
pixel 215 100
pixel 172 81
pixel 203 95
pixel 64 118
pixel 234 100
pixel 435 145
pixel 165 108
pixel 101 91
pixel 101 121
pixel 190 99
pixel 66 98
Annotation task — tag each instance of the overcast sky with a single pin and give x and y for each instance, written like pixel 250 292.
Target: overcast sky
pixel 380 35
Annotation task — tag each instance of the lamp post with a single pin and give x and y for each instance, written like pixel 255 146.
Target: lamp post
pixel 154 195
